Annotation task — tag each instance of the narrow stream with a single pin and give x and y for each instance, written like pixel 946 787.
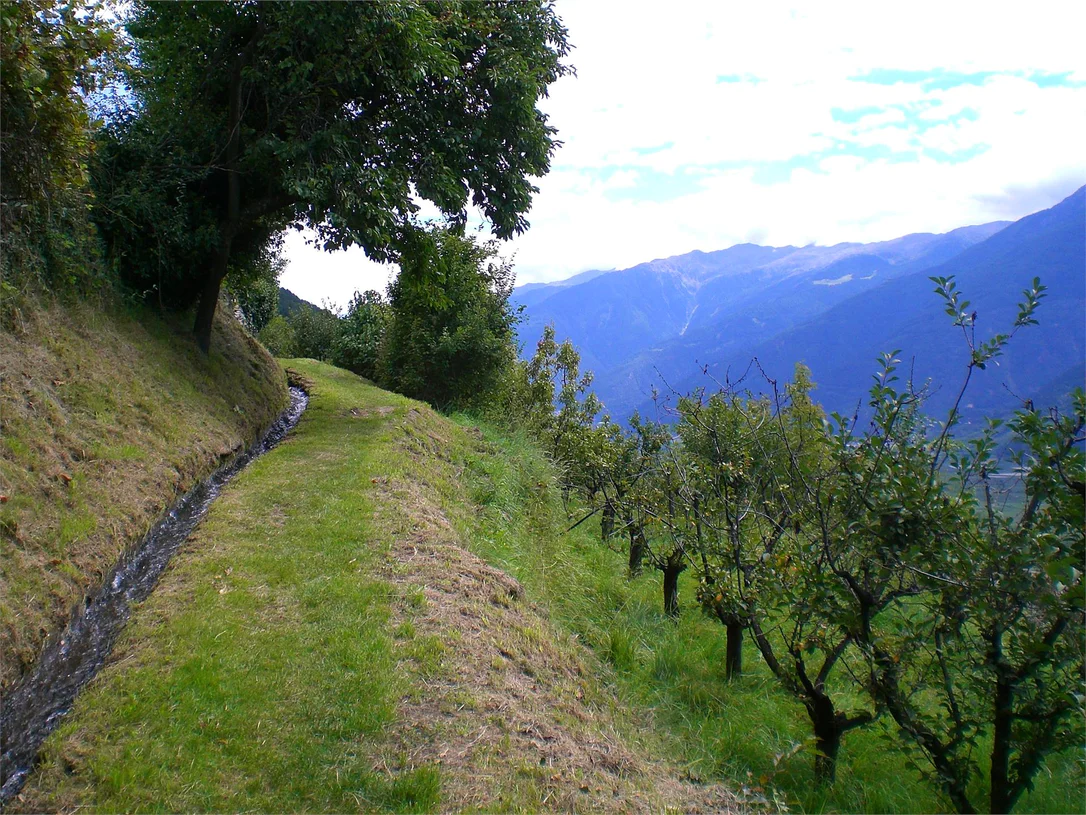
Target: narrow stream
pixel 37 702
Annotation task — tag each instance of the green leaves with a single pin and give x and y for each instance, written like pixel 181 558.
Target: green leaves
pixel 955 306
pixel 251 117
pixel 1031 300
pixel 450 337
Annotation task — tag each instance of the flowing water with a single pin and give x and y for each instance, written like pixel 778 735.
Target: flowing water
pixel 36 703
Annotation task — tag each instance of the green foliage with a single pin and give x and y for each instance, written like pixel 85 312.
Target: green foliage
pixel 357 346
pixel 156 235
pixel 278 337
pixel 748 732
pixel 315 332
pixel 251 117
pixel 257 295
pixel 451 333
pixel 561 419
pixel 869 562
pixel 51 55
pixel 993 640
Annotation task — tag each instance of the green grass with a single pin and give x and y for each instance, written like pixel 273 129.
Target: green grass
pixel 264 672
pixel 261 673
pixel 106 414
pixel 747 732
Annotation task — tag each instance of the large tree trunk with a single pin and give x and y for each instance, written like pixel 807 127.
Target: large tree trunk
pixel 673 567
pixel 209 295
pixel 733 653
pixel 637 547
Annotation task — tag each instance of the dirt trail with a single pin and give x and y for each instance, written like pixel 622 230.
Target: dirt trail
pixel 506 706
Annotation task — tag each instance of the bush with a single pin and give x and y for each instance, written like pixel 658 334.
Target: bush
pixel 315 332
pixel 278 337
pixel 451 340
pixel 357 346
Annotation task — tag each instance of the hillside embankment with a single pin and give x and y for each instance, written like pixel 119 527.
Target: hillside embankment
pixel 328 640
pixel 106 415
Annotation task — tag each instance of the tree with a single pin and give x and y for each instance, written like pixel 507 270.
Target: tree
pixel 552 397
pixel 315 331
pixel 278 337
pixel 756 478
pixel 988 658
pixel 357 346
pixel 257 293
pixel 988 654
pixel 52 55
pixel 334 114
pixel 723 476
pixel 451 340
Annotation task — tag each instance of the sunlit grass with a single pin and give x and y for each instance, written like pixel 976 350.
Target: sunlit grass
pixel 262 672
pixel 747 732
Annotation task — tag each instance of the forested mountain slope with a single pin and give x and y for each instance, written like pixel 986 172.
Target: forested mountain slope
pixel 835 308
pixel 841 344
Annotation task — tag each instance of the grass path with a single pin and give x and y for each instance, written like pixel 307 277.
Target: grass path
pixel 326 642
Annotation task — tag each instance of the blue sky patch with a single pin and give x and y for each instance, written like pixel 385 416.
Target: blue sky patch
pixel 1044 79
pixel 934 80
pixel 957 156
pixel 917 124
pixel 731 79
pixel 648 151
pixel 651 185
pixel 849 117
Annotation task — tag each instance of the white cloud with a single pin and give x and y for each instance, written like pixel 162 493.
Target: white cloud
pixel 647 105
pixel 319 276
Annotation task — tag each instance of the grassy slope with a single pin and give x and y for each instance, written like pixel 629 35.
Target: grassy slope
pixel 325 643
pixel 747 732
pixel 104 415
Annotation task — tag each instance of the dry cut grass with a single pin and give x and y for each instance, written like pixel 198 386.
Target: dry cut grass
pixel 508 706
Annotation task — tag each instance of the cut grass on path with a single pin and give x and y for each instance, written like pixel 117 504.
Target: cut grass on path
pixel 260 673
pixel 326 642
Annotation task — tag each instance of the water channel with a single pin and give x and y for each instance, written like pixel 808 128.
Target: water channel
pixel 40 699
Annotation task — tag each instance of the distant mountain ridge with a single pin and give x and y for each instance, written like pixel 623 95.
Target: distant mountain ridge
pixel 836 308
pixel 289 303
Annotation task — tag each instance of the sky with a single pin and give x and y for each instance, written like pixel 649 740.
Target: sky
pixel 700 125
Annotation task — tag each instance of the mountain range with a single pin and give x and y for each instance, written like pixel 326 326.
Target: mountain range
pixel 690 321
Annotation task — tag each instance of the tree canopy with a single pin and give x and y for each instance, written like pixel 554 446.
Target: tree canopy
pixel 251 117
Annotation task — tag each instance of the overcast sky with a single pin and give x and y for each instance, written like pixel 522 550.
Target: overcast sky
pixel 699 125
